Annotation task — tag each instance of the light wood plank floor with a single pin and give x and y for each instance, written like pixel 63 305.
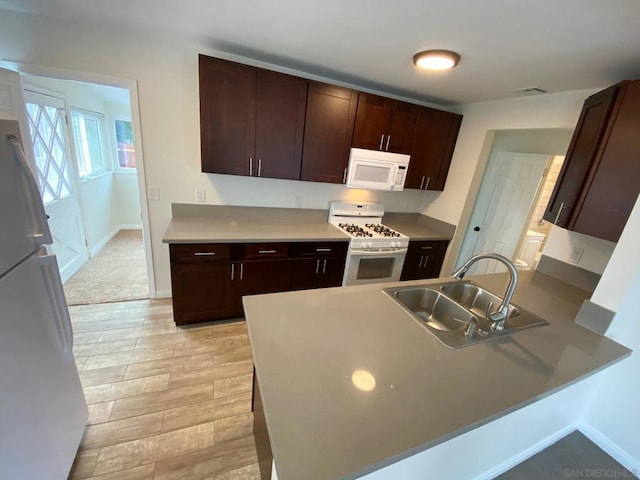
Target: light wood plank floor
pixel 165 402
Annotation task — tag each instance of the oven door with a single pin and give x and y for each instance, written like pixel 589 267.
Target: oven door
pixel 374 266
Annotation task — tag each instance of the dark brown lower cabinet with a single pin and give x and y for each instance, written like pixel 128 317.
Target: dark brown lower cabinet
pixel 202 292
pixel 424 260
pixel 209 280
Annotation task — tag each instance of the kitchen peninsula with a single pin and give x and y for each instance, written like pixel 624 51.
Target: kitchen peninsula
pixel 312 350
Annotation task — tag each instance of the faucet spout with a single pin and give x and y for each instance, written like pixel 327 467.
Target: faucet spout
pixel 498 316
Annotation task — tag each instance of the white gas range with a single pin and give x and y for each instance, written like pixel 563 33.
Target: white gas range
pixel 376 252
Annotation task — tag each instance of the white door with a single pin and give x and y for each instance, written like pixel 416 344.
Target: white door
pixel 502 208
pixel 57 180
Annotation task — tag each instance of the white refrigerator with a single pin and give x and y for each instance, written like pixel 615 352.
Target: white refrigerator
pixel 43 411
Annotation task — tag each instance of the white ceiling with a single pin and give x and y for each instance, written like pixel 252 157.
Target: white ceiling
pixel 556 45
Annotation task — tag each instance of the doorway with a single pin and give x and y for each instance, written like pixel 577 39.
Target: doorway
pixel 530 159
pixel 102 170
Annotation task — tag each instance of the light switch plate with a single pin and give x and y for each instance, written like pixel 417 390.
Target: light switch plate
pixel 575 255
pixel 297 201
pixel 200 195
pixel 154 193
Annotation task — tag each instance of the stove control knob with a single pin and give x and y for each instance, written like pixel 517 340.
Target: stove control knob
pixel 370 245
pixel 393 245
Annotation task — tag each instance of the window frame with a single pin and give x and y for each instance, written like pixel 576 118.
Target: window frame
pixel 81 160
pixel 118 168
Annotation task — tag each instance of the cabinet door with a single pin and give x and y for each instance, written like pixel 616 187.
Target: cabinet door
pixel 227 115
pixel 372 121
pixel 268 276
pixel 319 272
pixel 607 201
pixel 401 127
pixel 331 113
pixel 410 269
pixel 434 139
pixel 580 155
pixel 201 292
pixel 280 111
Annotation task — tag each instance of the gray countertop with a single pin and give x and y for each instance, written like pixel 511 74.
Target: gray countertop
pixel 229 224
pixel 307 345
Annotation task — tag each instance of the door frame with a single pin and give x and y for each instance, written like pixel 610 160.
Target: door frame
pixel 132 87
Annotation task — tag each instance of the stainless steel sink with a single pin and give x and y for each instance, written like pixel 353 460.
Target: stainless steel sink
pixel 456 313
pixel 477 299
pixel 433 308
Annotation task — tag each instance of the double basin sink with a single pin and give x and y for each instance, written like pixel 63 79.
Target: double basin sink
pixel 456 313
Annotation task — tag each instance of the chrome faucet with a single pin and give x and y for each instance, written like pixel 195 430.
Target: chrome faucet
pixel 499 316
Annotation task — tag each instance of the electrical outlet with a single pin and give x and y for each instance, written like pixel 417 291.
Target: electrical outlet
pixel 576 255
pixel 154 193
pixel 200 195
pixel 297 201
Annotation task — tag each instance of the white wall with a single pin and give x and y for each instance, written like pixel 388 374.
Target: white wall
pixel 596 252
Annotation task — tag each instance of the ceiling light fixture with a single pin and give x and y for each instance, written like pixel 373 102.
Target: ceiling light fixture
pixel 436 59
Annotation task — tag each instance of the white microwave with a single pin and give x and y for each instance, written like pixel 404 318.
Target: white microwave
pixel 374 170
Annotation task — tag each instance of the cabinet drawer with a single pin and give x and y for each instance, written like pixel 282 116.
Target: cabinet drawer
pixel 256 251
pixel 205 252
pixel 321 249
pixel 427 247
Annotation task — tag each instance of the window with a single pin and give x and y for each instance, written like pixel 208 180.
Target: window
pixel 124 144
pixel 88 142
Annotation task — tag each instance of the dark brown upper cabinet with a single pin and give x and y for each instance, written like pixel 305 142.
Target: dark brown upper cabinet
pixel 434 139
pixel 251 120
pixel 331 112
pixel 384 124
pixel 599 181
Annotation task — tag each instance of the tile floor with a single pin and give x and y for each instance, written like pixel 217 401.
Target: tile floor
pixel 165 402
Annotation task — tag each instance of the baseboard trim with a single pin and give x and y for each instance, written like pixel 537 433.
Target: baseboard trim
pixel 101 244
pixel 163 294
pixel 613 450
pixel 527 453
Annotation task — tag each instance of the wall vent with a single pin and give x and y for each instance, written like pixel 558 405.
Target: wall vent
pixel 530 91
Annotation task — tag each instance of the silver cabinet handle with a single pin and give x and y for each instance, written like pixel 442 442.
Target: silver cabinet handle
pixel 259 167
pixel 426 248
pixel 420 262
pixel 233 270
pixel 241 271
pixel 323 249
pixel 204 254
pixel 422 182
pixel 387 146
pixel 426 187
pixel 324 266
pixel 344 176
pixel 426 259
pixel 559 212
pixel 266 251
pixel 381 141
pixel 251 166
pixel 317 266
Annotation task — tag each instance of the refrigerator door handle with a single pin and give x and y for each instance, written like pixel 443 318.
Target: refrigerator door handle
pixel 43 236
pixel 51 274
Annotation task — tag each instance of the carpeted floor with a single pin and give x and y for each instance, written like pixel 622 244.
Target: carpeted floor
pixel 117 273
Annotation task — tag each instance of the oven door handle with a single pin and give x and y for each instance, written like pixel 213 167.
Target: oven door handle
pixel 380 252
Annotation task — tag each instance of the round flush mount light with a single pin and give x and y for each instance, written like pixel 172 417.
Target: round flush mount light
pixel 436 59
